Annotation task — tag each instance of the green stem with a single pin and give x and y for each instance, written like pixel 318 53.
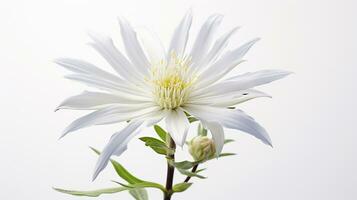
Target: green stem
pixel 170 169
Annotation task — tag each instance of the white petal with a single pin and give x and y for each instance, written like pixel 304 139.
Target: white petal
pixel 243 122
pixel 262 76
pixel 117 144
pixel 177 125
pixel 248 95
pixel 92 82
pixel 180 36
pixel 242 82
pixel 95 77
pixel 229 118
pixel 152 45
pixel 120 151
pixel 215 51
pixel 150 119
pixel 155 117
pixel 94 100
pixel 82 67
pixel 224 65
pixel 142 113
pixel 228 99
pixel 204 38
pixel 133 48
pixel 217 135
pixel 105 46
pixel 110 114
pixel 110 86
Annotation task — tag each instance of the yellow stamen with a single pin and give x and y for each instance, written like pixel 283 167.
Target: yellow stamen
pixel 171 82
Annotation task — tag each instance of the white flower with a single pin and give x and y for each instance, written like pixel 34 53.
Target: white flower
pixel 152 84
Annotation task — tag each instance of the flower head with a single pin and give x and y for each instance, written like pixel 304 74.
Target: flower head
pixel 152 84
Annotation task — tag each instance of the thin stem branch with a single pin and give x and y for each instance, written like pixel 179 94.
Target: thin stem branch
pixel 194 168
pixel 170 169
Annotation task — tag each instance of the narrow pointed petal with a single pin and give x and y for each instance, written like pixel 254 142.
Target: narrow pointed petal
pixel 95 77
pixel 242 82
pixel 95 100
pixel 88 101
pixel 109 85
pixel 247 124
pixel 217 135
pixel 82 67
pixel 120 151
pixel 204 38
pixel 94 82
pixel 106 48
pixel 180 36
pixel 152 44
pixel 155 117
pixel 248 95
pixel 89 119
pixel 108 115
pixel 177 125
pixel 229 118
pixel 225 64
pixel 133 47
pixel 117 145
pixel 215 51
pixel 228 99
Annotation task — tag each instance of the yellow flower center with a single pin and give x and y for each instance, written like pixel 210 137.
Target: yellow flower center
pixel 171 82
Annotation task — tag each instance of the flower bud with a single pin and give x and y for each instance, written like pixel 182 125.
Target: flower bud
pixel 202 148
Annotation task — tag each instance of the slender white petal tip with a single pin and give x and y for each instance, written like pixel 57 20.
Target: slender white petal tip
pixel 278 73
pixel 287 72
pixel 248 45
pixel 268 141
pixel 65 132
pixel 95 175
pixel 58 60
pixel 61 136
pixel 117 145
pixel 282 72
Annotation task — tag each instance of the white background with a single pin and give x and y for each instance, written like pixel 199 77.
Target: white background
pixel 311 117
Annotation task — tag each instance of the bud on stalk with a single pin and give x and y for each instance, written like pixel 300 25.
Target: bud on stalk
pixel 202 148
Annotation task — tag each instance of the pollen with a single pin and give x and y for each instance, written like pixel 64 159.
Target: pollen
pixel 172 82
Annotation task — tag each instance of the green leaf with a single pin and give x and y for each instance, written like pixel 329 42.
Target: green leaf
pixel 180 187
pixel 157 145
pixel 151 140
pixel 94 193
pixel 160 132
pixel 226 141
pixel 191 174
pixel 184 164
pixel 139 194
pixel 121 171
pixel 144 184
pixel 226 154
pixel 200 170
